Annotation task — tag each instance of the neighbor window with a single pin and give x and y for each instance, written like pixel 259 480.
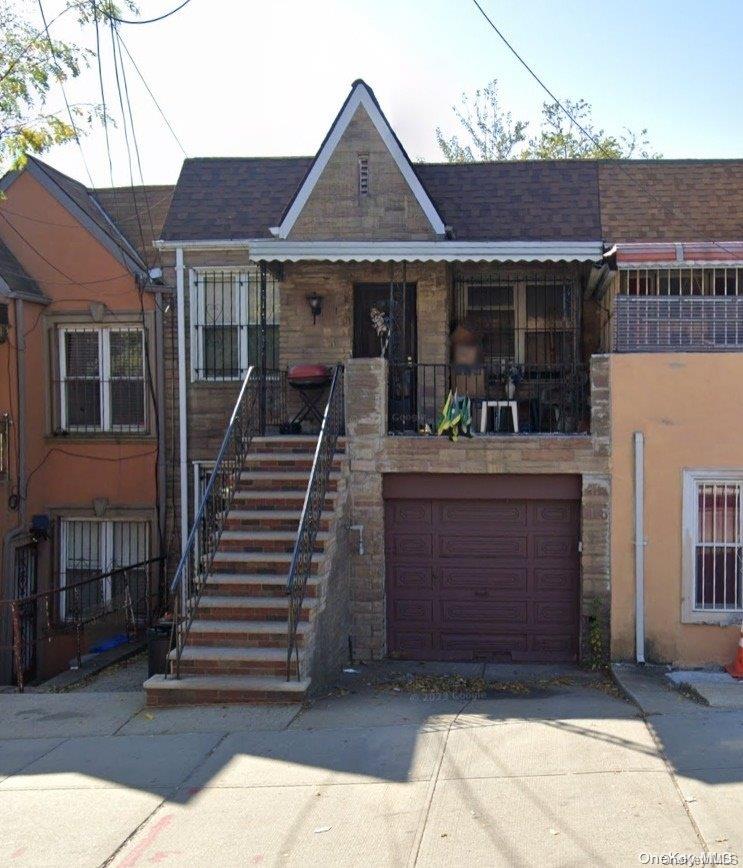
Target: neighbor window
pixel 102 378
pixel 713 526
pixel 90 552
pixel 226 323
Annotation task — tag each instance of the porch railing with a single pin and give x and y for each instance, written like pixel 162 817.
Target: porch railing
pixel 549 399
pixel 314 501
pixel 198 555
pixel 125 597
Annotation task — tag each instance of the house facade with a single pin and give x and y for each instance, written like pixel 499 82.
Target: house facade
pixel 81 450
pixel 589 311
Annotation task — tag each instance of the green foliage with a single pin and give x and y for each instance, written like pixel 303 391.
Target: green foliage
pixel 493 134
pixel 596 651
pixel 33 65
pixel 456 417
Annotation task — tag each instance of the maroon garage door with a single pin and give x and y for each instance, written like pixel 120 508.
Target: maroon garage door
pixel 482 567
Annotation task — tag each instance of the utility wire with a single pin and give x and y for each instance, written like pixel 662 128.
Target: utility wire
pixel 670 210
pixel 146 20
pixel 152 95
pixel 60 78
pixel 19 57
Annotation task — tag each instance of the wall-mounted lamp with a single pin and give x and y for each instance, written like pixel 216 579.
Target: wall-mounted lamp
pixel 315 302
pixel 4 323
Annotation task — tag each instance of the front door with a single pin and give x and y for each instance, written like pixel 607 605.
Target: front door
pixel 369 298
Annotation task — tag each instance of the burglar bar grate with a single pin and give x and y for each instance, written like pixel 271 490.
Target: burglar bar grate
pixel 678 323
pixel 719 547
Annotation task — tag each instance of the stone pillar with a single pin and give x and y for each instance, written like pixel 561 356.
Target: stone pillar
pixel 596 525
pixel 366 428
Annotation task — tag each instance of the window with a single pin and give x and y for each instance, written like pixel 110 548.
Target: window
pixel 529 320
pixel 713 531
pixel 90 550
pixel 102 379
pixel 226 323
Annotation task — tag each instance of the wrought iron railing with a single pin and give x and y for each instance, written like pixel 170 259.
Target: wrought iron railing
pixel 505 399
pixel 314 501
pixel 124 597
pixel 198 554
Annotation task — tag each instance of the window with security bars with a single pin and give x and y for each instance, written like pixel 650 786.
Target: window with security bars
pixel 227 315
pixel 91 551
pixel 718 546
pixel 529 319
pixel 102 379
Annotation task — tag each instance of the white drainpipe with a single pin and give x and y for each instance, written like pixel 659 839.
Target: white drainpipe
pixel 640 544
pixel 182 416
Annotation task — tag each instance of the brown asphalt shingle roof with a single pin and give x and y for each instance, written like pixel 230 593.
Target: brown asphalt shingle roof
pixel 15 275
pixel 139 213
pixel 579 200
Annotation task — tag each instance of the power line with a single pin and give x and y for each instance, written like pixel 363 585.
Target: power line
pixel 146 20
pixel 152 95
pixel 589 135
pixel 60 78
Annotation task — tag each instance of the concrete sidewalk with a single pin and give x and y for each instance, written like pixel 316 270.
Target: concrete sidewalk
pixel 550 770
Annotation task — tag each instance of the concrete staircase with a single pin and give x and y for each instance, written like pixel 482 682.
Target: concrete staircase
pixel 236 648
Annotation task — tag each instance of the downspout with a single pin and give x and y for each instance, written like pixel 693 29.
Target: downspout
pixel 640 544
pixel 182 415
pixel 21 422
pixel 160 400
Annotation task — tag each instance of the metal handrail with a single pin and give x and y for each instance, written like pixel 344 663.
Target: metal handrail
pixel 198 554
pixel 314 501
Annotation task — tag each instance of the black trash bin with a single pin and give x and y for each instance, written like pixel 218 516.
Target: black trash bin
pixel 158 646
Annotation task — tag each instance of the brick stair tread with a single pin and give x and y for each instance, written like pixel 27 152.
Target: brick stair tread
pixel 279 473
pixel 322 535
pixel 279 514
pixel 198 626
pixel 216 652
pixel 235 602
pixel 252 579
pixel 226 683
pixel 287 456
pixel 275 557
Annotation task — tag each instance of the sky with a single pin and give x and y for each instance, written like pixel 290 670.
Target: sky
pixel 247 78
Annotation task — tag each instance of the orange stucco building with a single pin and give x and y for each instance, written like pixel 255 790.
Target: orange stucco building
pixel 79 406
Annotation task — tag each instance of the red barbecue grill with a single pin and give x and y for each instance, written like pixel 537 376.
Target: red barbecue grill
pixel 309 381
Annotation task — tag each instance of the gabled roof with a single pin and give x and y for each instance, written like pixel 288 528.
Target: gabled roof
pixel 361 95
pixel 14 280
pixel 82 204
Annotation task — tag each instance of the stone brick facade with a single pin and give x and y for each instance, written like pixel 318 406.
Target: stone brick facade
pixel 336 209
pixel 373 453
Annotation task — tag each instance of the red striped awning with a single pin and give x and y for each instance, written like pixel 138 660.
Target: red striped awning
pixel 728 253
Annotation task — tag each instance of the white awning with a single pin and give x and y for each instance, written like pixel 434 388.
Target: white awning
pixel 276 250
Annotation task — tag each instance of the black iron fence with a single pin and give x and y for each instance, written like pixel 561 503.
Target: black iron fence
pixel 505 398
pixel 332 427
pixel 129 603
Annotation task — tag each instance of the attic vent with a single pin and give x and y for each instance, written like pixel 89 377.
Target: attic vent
pixel 363 174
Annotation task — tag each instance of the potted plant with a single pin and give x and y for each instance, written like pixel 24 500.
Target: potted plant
pixel 513 374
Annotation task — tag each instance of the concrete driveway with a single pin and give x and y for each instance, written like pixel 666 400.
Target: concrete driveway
pixel 550 770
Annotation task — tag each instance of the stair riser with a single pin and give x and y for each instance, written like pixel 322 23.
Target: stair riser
pixel 233 613
pixel 274 546
pixel 241 640
pixel 250 589
pixel 289 525
pixel 279 465
pixel 279 483
pixel 279 444
pixel 169 698
pixel 275 568
pixel 270 668
pixel 278 501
